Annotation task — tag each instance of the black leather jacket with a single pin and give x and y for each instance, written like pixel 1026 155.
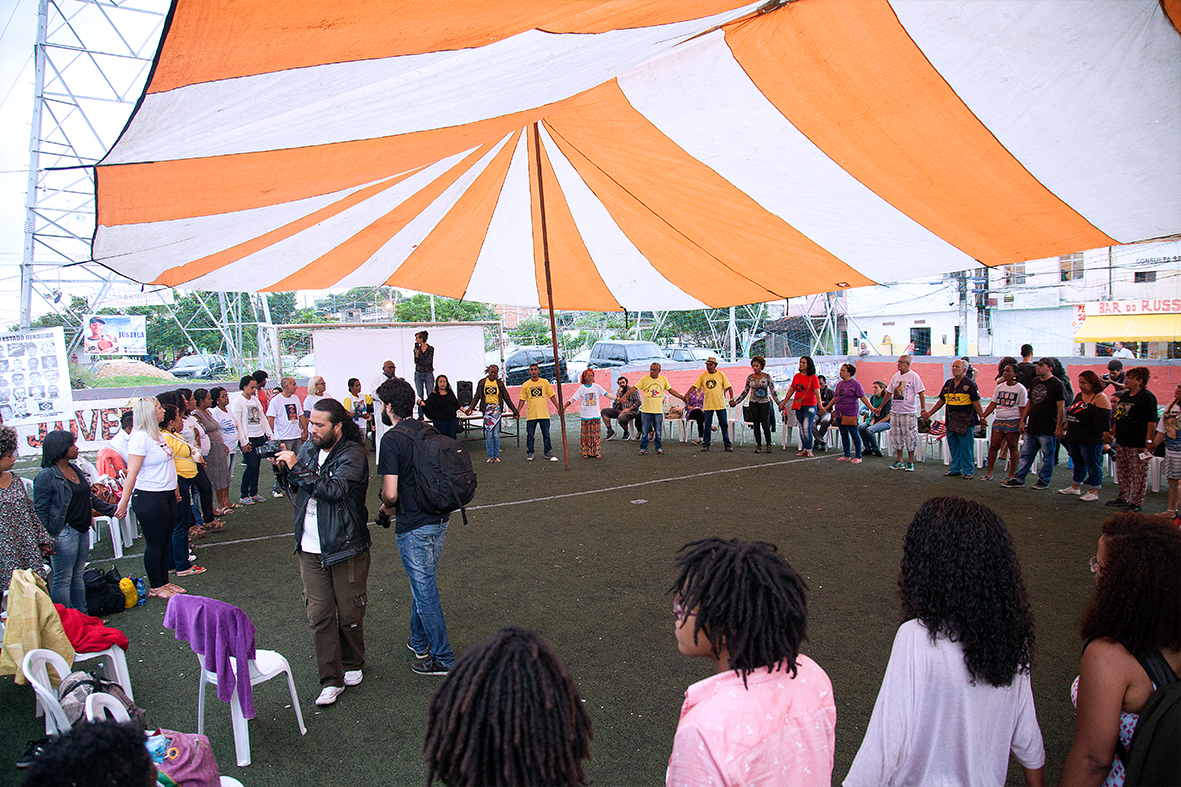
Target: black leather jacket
pixel 338 488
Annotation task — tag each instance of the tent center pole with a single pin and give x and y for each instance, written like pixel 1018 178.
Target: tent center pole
pixel 549 294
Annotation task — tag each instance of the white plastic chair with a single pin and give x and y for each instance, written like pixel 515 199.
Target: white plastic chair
pixel 104 707
pixel 265 665
pixel 114 666
pixel 116 527
pixel 35 667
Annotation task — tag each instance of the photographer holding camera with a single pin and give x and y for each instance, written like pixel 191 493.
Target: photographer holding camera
pixel 329 478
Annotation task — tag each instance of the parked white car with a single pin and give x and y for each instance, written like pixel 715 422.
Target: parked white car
pixel 304 367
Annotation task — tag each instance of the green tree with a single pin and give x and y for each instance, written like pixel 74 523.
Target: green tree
pixel 417 308
pixel 282 307
pixel 534 330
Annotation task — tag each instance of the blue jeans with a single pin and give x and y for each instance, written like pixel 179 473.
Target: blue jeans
pixel 1088 464
pixel 962 448
pixel 1029 448
pixel 69 561
pixel 850 434
pixel 806 416
pixel 653 422
pixel 420 550
pixel 869 435
pixel 491 444
pixel 533 424
pixel 723 427
pixel 424 383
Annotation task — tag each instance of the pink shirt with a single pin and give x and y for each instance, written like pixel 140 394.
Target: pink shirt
pixel 777 730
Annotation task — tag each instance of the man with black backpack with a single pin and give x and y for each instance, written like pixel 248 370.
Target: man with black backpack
pixel 420 533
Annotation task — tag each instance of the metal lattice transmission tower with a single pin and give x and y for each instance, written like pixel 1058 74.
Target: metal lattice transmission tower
pixel 92 59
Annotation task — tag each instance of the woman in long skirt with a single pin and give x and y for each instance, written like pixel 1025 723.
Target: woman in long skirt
pixel 587 396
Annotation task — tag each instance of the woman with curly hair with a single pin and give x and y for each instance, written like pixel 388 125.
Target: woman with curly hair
pixel 1135 612
pixel 767 716
pixel 508 713
pixel 805 398
pixel 956 696
pixel 24 542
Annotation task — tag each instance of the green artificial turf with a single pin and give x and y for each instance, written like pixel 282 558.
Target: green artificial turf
pixel 585 558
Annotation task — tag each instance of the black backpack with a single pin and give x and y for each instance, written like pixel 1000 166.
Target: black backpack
pixel 1151 757
pixel 103 596
pixel 443 474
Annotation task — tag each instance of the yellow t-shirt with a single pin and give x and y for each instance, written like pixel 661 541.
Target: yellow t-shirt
pixel 652 393
pixel 535 395
pixel 491 391
pixel 181 455
pixel 712 386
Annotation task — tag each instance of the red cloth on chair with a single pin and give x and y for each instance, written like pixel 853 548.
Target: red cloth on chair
pixel 88 634
pixel 110 463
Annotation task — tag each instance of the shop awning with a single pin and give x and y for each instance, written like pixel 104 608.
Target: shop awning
pixel 1130 327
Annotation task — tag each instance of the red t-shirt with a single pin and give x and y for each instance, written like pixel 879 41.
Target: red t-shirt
pixel 804 386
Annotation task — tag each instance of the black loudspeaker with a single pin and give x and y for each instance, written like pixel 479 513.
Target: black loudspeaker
pixel 463 392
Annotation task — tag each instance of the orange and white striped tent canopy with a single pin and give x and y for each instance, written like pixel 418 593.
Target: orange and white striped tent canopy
pixel 691 152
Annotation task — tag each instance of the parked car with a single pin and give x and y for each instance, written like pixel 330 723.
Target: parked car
pixel 304 367
pixel 577 365
pixel 619 352
pixel 516 364
pixel 203 366
pixel 692 354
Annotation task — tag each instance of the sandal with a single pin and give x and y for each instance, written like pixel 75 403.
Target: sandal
pixel 216 526
pixel 161 592
pixel 175 588
pixel 197 531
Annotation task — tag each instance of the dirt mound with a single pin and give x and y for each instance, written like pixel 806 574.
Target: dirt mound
pixel 127 368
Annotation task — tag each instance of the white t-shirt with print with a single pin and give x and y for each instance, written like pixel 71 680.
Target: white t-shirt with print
pixel 286 411
pixel 588 399
pixel 1009 400
pixel 904 390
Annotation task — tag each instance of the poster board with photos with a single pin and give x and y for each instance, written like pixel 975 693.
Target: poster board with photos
pixel 34 378
pixel 115 334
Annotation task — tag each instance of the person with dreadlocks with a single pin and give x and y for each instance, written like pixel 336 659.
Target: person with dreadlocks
pixel 767 716
pixel 956 696
pixel 508 713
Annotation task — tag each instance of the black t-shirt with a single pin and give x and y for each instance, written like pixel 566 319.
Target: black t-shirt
pixel 397 458
pixel 1026 373
pixel 1132 416
pixel 78 510
pixel 1044 396
pixel 1085 423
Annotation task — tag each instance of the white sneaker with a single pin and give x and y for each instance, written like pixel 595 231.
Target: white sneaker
pixel 1070 490
pixel 353 677
pixel 329 694
pixel 1090 496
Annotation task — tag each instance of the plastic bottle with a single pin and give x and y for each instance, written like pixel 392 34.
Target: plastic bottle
pixel 141 589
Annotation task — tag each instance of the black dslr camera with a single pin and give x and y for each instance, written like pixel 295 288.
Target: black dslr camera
pixel 270 449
